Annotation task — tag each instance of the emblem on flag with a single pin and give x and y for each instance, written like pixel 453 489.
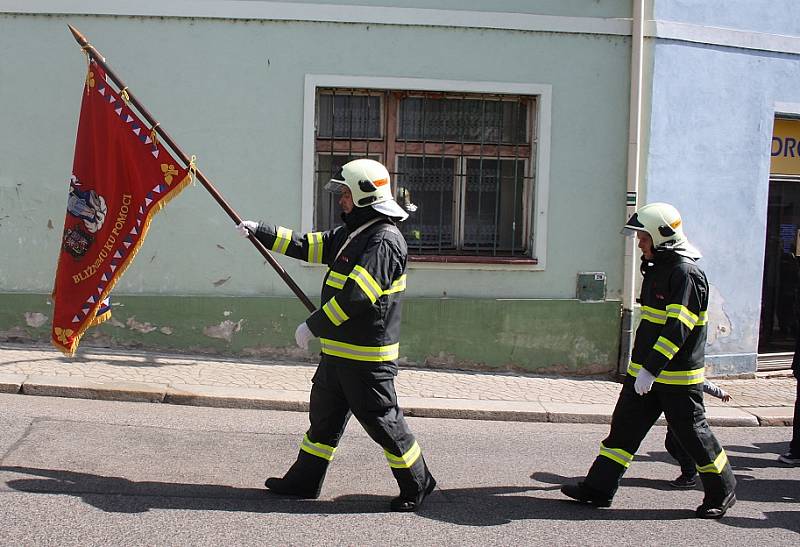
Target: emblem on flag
pixel 86 205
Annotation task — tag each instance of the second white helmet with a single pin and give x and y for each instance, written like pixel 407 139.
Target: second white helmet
pixel 663 223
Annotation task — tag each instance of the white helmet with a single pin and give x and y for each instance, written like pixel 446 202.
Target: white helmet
pixel 663 222
pixel 369 183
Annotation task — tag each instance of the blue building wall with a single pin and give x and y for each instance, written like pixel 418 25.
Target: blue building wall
pixel 712 112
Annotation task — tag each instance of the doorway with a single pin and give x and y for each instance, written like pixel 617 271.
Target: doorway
pixel 780 301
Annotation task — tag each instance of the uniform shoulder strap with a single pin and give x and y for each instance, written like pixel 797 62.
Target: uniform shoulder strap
pixel 353 235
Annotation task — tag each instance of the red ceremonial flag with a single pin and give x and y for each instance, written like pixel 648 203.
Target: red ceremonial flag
pixel 121 177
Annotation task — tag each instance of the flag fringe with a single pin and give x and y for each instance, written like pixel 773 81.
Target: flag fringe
pixel 70 351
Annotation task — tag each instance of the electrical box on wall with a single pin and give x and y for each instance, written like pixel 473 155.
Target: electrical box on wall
pixel 591 286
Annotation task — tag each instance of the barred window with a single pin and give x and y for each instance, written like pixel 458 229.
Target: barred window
pixel 464 160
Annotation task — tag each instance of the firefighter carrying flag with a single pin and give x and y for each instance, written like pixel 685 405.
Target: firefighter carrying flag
pixel 121 177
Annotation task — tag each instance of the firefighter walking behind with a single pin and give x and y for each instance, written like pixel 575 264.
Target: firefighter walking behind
pixel 666 369
pixel 359 329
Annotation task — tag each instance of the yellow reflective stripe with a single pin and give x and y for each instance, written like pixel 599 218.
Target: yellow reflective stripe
pixel 683 315
pixel 367 283
pixel 317 449
pixel 335 279
pixel 677 376
pixel 335 312
pixel 406 460
pixel 697 377
pixel 673 377
pixel 716 466
pixel 314 247
pixel 703 319
pixel 619 455
pixel 398 285
pixel 654 315
pixel 282 240
pixel 665 347
pixel 359 353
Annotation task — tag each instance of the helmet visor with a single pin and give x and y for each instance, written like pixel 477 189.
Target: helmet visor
pixel 336 186
pixel 632 226
pixel 629 231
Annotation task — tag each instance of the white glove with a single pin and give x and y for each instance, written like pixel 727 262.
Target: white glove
pixel 246 227
pixel 644 381
pixel 302 335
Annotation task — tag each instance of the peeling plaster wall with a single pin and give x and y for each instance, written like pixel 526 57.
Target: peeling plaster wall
pixel 567 337
pixel 711 123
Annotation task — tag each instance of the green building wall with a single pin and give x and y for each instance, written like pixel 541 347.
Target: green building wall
pixel 552 336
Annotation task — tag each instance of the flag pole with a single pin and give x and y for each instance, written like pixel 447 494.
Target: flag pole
pixel 100 60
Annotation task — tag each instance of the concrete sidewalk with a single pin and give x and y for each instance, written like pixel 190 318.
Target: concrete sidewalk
pixel 207 381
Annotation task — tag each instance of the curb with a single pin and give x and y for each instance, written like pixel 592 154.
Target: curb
pixel 11 383
pixel 774 415
pixel 229 397
pixel 268 399
pixel 81 388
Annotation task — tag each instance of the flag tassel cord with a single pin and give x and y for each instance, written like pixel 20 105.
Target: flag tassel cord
pixel 190 163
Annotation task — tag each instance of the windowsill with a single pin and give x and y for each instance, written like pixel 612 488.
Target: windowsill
pixel 447 259
pixel 475 263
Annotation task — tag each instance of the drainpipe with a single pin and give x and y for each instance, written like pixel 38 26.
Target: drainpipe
pixel 634 130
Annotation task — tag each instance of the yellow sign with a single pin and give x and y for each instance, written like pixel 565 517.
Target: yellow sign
pixel 785 147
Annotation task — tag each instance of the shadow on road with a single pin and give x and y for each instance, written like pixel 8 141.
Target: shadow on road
pixel 484 506
pixel 120 495
pixel 762 458
pixel 748 488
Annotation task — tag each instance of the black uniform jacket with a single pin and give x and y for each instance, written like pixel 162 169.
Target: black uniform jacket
pixel 671 338
pixel 359 321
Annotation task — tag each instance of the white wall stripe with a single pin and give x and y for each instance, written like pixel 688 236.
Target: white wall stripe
pixel 338 13
pixel 670 30
pixel 331 13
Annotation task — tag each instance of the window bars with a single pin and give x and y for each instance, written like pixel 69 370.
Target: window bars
pixel 464 160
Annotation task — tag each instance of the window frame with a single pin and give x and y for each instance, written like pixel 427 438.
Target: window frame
pixel 540 146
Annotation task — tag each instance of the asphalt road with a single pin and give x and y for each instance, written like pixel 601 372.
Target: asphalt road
pixel 78 472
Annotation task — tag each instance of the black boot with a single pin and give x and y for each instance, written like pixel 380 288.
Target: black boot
pixel 302 480
pixel 407 504
pixel 685 481
pixel 719 494
pixel 585 494
pixel 716 509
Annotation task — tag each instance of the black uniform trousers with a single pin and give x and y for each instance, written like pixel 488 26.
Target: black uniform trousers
pixel 794 444
pixel 341 391
pixel 683 458
pixel 684 411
